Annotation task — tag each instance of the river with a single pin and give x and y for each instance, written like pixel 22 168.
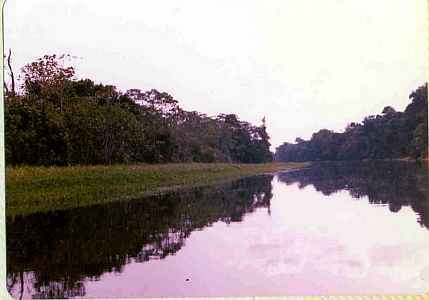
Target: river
pixel 331 229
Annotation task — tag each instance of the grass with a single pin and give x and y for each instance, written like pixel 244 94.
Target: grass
pixel 40 189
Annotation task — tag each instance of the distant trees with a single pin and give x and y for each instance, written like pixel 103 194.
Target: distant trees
pixel 389 135
pixel 57 119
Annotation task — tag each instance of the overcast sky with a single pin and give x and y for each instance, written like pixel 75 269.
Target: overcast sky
pixel 304 64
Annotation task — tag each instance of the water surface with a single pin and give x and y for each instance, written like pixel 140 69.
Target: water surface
pixel 349 228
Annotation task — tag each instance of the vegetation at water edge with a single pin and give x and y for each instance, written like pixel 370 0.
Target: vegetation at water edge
pixel 56 119
pixel 32 189
pixel 391 135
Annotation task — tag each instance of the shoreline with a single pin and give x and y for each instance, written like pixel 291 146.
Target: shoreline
pixel 33 189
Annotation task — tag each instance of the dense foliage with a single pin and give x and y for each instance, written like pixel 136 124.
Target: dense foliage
pixel 57 119
pixel 389 135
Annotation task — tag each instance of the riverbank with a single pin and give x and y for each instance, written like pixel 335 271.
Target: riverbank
pixel 41 189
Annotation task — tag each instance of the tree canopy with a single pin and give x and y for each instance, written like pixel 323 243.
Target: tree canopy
pixel 57 119
pixel 389 135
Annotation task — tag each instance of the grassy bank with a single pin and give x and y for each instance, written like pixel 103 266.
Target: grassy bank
pixel 37 189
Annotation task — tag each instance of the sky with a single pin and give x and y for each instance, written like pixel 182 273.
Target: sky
pixel 303 64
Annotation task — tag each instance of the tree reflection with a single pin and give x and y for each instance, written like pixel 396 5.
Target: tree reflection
pixel 53 254
pixel 392 183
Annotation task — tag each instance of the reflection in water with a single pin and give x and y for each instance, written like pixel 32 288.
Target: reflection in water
pixel 49 255
pixel 308 238
pixel 394 184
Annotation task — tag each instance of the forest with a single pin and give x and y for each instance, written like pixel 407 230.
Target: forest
pixel 390 135
pixel 52 118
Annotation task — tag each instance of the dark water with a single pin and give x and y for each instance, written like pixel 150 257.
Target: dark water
pixel 354 228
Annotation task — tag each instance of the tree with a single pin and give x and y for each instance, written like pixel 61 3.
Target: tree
pixel 12 91
pixel 47 78
pixel 63 120
pixel 388 110
pixel 389 135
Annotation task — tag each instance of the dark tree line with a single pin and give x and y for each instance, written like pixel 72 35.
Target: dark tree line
pixel 387 136
pixel 55 119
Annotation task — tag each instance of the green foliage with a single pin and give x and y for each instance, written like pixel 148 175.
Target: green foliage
pixel 37 188
pixel 389 135
pixel 34 135
pixel 58 120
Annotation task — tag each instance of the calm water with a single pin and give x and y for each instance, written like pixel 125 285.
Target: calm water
pixel 330 229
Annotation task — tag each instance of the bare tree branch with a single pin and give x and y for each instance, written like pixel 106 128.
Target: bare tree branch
pixel 12 77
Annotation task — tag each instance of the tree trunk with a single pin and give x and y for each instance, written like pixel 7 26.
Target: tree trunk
pixel 12 77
